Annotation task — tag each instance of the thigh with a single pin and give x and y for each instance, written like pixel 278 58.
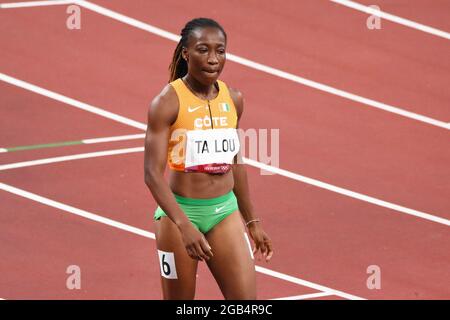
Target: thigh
pixel 168 239
pixel 232 265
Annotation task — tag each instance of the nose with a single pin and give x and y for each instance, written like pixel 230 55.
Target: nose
pixel 212 58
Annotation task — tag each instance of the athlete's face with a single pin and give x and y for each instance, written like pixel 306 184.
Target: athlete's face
pixel 205 54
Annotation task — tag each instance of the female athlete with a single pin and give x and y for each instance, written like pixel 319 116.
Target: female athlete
pixel 192 127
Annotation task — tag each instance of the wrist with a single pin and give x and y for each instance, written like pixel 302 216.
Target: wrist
pixel 252 222
pixel 182 224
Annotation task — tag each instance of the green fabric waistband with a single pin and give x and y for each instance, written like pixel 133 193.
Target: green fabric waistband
pixel 204 202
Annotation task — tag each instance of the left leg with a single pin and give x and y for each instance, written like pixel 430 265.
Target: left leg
pixel 232 265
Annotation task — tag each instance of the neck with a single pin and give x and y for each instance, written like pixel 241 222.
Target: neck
pixel 198 87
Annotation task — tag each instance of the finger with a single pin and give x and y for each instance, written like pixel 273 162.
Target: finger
pixel 263 248
pixel 200 253
pixel 207 248
pixel 255 251
pixel 191 254
pixel 270 250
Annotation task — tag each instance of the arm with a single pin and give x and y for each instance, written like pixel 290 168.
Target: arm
pixel 242 192
pixel 161 114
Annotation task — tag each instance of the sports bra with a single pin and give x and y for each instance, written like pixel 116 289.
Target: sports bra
pixel 203 138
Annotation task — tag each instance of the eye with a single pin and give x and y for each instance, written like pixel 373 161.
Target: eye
pixel 202 50
pixel 221 51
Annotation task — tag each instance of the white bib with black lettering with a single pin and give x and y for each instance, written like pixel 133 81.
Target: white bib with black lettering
pixel 211 146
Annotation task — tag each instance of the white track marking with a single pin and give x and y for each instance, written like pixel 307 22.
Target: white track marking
pixel 338 92
pixel 129 21
pixel 306 296
pixel 306 283
pixel 256 164
pixel 116 138
pixel 239 60
pixel 347 3
pixel 142 126
pixel 279 171
pixel 95 140
pixel 68 158
pixel 28 4
pixel 257 66
pixel 125 227
pixel 70 101
pixel 347 193
pixel 76 211
pixel 393 18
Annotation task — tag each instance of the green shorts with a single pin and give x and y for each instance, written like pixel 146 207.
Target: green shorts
pixel 204 213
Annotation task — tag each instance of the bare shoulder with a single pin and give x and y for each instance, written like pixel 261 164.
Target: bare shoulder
pixel 164 107
pixel 238 100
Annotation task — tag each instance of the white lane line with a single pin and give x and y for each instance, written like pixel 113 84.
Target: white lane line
pixel 263 68
pixel 129 21
pixel 393 18
pixel 147 234
pixel 347 192
pixel 347 3
pixel 76 211
pixel 338 92
pixel 239 60
pixel 256 164
pixel 306 296
pixel 116 138
pixel 279 171
pixel 74 143
pixel 70 101
pixel 28 4
pixel 306 283
pixel 69 158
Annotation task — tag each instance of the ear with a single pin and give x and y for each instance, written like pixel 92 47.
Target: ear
pixel 184 54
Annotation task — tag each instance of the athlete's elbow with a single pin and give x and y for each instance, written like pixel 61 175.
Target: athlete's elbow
pixel 149 178
pixel 152 176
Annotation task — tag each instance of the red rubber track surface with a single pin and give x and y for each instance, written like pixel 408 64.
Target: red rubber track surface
pixel 319 235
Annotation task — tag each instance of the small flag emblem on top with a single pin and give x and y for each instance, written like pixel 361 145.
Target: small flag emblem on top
pixel 224 107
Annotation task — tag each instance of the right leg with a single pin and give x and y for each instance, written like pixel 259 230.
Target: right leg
pixel 168 239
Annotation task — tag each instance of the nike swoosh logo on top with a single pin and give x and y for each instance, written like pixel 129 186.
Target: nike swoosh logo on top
pixel 193 109
pixel 220 209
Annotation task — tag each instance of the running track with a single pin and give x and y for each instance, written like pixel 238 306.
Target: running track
pixel 320 236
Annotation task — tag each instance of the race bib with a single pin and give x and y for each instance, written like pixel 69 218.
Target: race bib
pixel 211 146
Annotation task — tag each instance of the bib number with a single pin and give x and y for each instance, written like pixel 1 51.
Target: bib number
pixel 167 264
pixel 211 146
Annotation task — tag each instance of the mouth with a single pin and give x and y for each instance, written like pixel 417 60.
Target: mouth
pixel 211 72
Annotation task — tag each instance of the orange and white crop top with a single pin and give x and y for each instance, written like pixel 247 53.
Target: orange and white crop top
pixel 203 138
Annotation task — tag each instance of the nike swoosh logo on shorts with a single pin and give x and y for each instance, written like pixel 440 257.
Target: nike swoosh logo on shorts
pixel 220 209
pixel 193 109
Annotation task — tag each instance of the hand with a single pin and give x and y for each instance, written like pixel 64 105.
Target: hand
pixel 195 243
pixel 261 240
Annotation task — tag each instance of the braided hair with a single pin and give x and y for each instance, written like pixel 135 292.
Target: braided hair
pixel 178 67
